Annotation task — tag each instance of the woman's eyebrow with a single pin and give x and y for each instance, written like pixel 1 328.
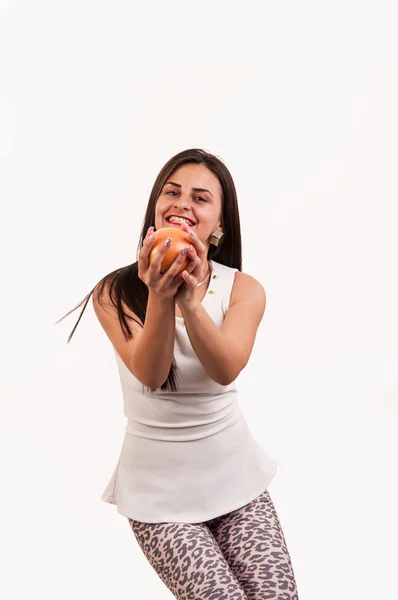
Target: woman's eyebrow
pixel 194 189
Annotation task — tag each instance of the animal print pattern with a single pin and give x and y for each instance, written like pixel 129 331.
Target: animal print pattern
pixel 238 556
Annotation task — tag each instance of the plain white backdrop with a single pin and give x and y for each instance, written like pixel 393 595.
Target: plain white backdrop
pixel 300 100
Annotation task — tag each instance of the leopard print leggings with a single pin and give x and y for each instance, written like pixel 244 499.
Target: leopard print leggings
pixel 239 556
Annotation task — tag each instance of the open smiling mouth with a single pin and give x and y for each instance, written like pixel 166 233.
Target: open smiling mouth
pixel 174 220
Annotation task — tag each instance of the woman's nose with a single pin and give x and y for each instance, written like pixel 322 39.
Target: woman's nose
pixel 181 202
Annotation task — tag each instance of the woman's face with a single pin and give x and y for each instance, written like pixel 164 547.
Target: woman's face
pixel 193 193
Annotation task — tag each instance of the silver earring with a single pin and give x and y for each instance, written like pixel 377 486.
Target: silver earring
pixel 216 237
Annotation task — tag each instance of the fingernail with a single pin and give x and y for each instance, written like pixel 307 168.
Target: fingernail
pixel 191 233
pixel 183 252
pixel 168 242
pixel 191 249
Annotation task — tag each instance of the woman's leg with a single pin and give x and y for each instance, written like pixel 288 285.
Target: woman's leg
pixel 188 560
pixel 253 543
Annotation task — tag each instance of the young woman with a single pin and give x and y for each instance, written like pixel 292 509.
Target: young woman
pixel 191 479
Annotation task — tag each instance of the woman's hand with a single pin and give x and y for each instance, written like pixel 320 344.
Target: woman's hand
pixel 162 284
pixel 192 277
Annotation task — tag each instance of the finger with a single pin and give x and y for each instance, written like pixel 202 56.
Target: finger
pixel 161 251
pixel 148 244
pixel 149 232
pixel 195 241
pixel 172 271
pixel 192 253
pixel 198 245
pixel 178 279
pixel 191 266
pixel 143 258
pixel 189 279
pixel 195 262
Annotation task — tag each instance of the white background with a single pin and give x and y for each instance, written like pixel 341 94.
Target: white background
pixel 300 100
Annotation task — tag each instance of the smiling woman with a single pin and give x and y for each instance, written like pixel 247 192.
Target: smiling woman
pixel 175 186
pixel 179 200
pixel 189 469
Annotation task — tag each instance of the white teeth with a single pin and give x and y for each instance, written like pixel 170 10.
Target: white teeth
pixel 180 220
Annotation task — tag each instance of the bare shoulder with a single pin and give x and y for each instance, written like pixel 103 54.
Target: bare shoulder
pixel 249 290
pixel 101 299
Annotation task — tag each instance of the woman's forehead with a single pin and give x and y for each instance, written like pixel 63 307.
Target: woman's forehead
pixel 194 175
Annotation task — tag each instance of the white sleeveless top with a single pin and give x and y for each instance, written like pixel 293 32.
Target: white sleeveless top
pixel 187 456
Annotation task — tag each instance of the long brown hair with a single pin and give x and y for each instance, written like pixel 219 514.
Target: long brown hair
pixel 125 287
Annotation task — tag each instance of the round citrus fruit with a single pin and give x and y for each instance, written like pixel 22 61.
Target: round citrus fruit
pixel 180 240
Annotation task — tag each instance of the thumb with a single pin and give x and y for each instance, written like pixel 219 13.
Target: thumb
pixel 187 277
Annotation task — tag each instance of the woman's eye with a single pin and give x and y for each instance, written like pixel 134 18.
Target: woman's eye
pixel 172 192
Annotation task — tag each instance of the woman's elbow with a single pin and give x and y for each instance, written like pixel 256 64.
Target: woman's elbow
pixel 226 378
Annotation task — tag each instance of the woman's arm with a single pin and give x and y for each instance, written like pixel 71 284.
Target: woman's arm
pixel 149 353
pixel 224 351
pixel 153 351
